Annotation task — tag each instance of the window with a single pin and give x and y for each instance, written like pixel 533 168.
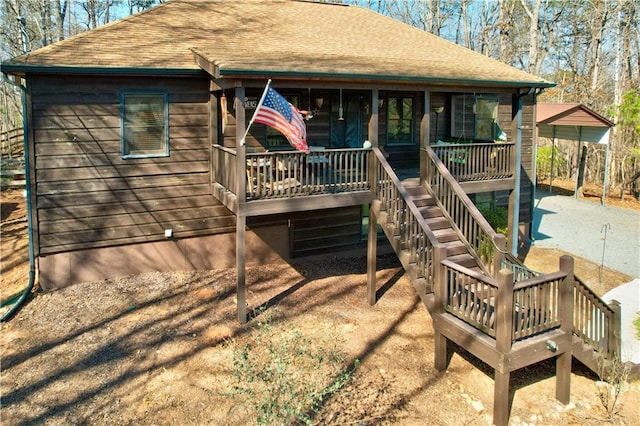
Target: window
pixel 399 120
pixel 475 117
pixel 145 126
pixel 486 118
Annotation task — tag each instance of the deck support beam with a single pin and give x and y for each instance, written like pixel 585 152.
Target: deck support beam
pixel 501 398
pixel 372 254
pixel 563 360
pixel 241 219
pixel 241 287
pixel 440 353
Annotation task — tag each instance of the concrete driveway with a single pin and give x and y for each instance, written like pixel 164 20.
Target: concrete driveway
pixel 580 227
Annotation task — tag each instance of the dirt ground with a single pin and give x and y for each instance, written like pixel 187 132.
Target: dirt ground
pixel 159 348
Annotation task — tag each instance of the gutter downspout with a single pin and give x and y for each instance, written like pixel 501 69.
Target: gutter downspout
pixel 27 175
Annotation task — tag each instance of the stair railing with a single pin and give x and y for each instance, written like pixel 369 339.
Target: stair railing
pixel 597 323
pixel 409 226
pixel 487 245
pixel 501 308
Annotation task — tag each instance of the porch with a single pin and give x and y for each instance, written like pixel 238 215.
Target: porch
pixel 270 182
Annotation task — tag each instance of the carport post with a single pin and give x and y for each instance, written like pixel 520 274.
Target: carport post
pixel 606 172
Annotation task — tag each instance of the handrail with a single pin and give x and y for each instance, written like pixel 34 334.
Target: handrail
pixel 411 228
pixel 473 298
pixel 457 205
pixel 596 322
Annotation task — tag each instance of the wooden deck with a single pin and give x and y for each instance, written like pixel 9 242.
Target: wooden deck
pixel 479 296
pixel 289 181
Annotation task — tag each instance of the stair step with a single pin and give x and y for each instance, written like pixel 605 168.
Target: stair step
pixel 446 235
pixel 438 222
pixel 464 259
pixel 414 190
pixel 424 201
pixel 455 247
pixel 430 211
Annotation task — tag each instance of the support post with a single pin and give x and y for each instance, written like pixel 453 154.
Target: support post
pixel 374 119
pixel 425 134
pixel 241 196
pixel 504 334
pixel 615 337
pixel 372 253
pixel 440 353
pixel 501 398
pixel 514 197
pixel 563 360
pixel 241 288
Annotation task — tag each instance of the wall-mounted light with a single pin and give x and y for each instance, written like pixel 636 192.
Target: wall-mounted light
pixel 319 101
pixel 380 103
pixel 340 109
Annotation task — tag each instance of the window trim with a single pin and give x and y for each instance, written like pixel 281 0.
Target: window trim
pixel 123 141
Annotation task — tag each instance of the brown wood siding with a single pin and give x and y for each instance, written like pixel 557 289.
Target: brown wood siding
pixel 317 231
pixel 88 196
pixel 320 231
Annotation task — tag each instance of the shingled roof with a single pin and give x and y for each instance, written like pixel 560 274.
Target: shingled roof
pixel 279 38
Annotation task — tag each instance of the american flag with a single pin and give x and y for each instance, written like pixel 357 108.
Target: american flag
pixel 276 112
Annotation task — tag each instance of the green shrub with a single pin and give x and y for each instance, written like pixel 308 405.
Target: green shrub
pixel 543 161
pixel 498 217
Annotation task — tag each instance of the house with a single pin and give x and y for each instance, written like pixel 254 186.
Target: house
pixel 173 80
pixel 136 161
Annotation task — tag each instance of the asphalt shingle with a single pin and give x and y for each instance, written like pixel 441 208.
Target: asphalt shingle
pixel 280 37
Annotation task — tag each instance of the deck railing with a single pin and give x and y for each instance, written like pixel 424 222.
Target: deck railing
pixel 525 308
pixel 594 321
pixel 520 272
pixel 488 245
pixel 225 165
pixel 293 173
pixel 409 226
pixel 470 296
pixel 477 161
pixel 597 323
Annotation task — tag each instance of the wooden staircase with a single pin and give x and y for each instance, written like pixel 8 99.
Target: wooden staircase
pixel 443 229
pixel 502 313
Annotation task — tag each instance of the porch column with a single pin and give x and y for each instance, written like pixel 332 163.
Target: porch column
pixel 372 241
pixel 374 120
pixel 241 219
pixel 425 133
pixel 514 197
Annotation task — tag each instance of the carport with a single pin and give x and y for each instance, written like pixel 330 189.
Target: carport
pixel 574 122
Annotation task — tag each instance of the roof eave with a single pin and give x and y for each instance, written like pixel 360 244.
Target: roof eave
pixel 22 69
pixel 244 73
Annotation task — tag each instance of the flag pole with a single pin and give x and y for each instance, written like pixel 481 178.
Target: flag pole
pixel 242 142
